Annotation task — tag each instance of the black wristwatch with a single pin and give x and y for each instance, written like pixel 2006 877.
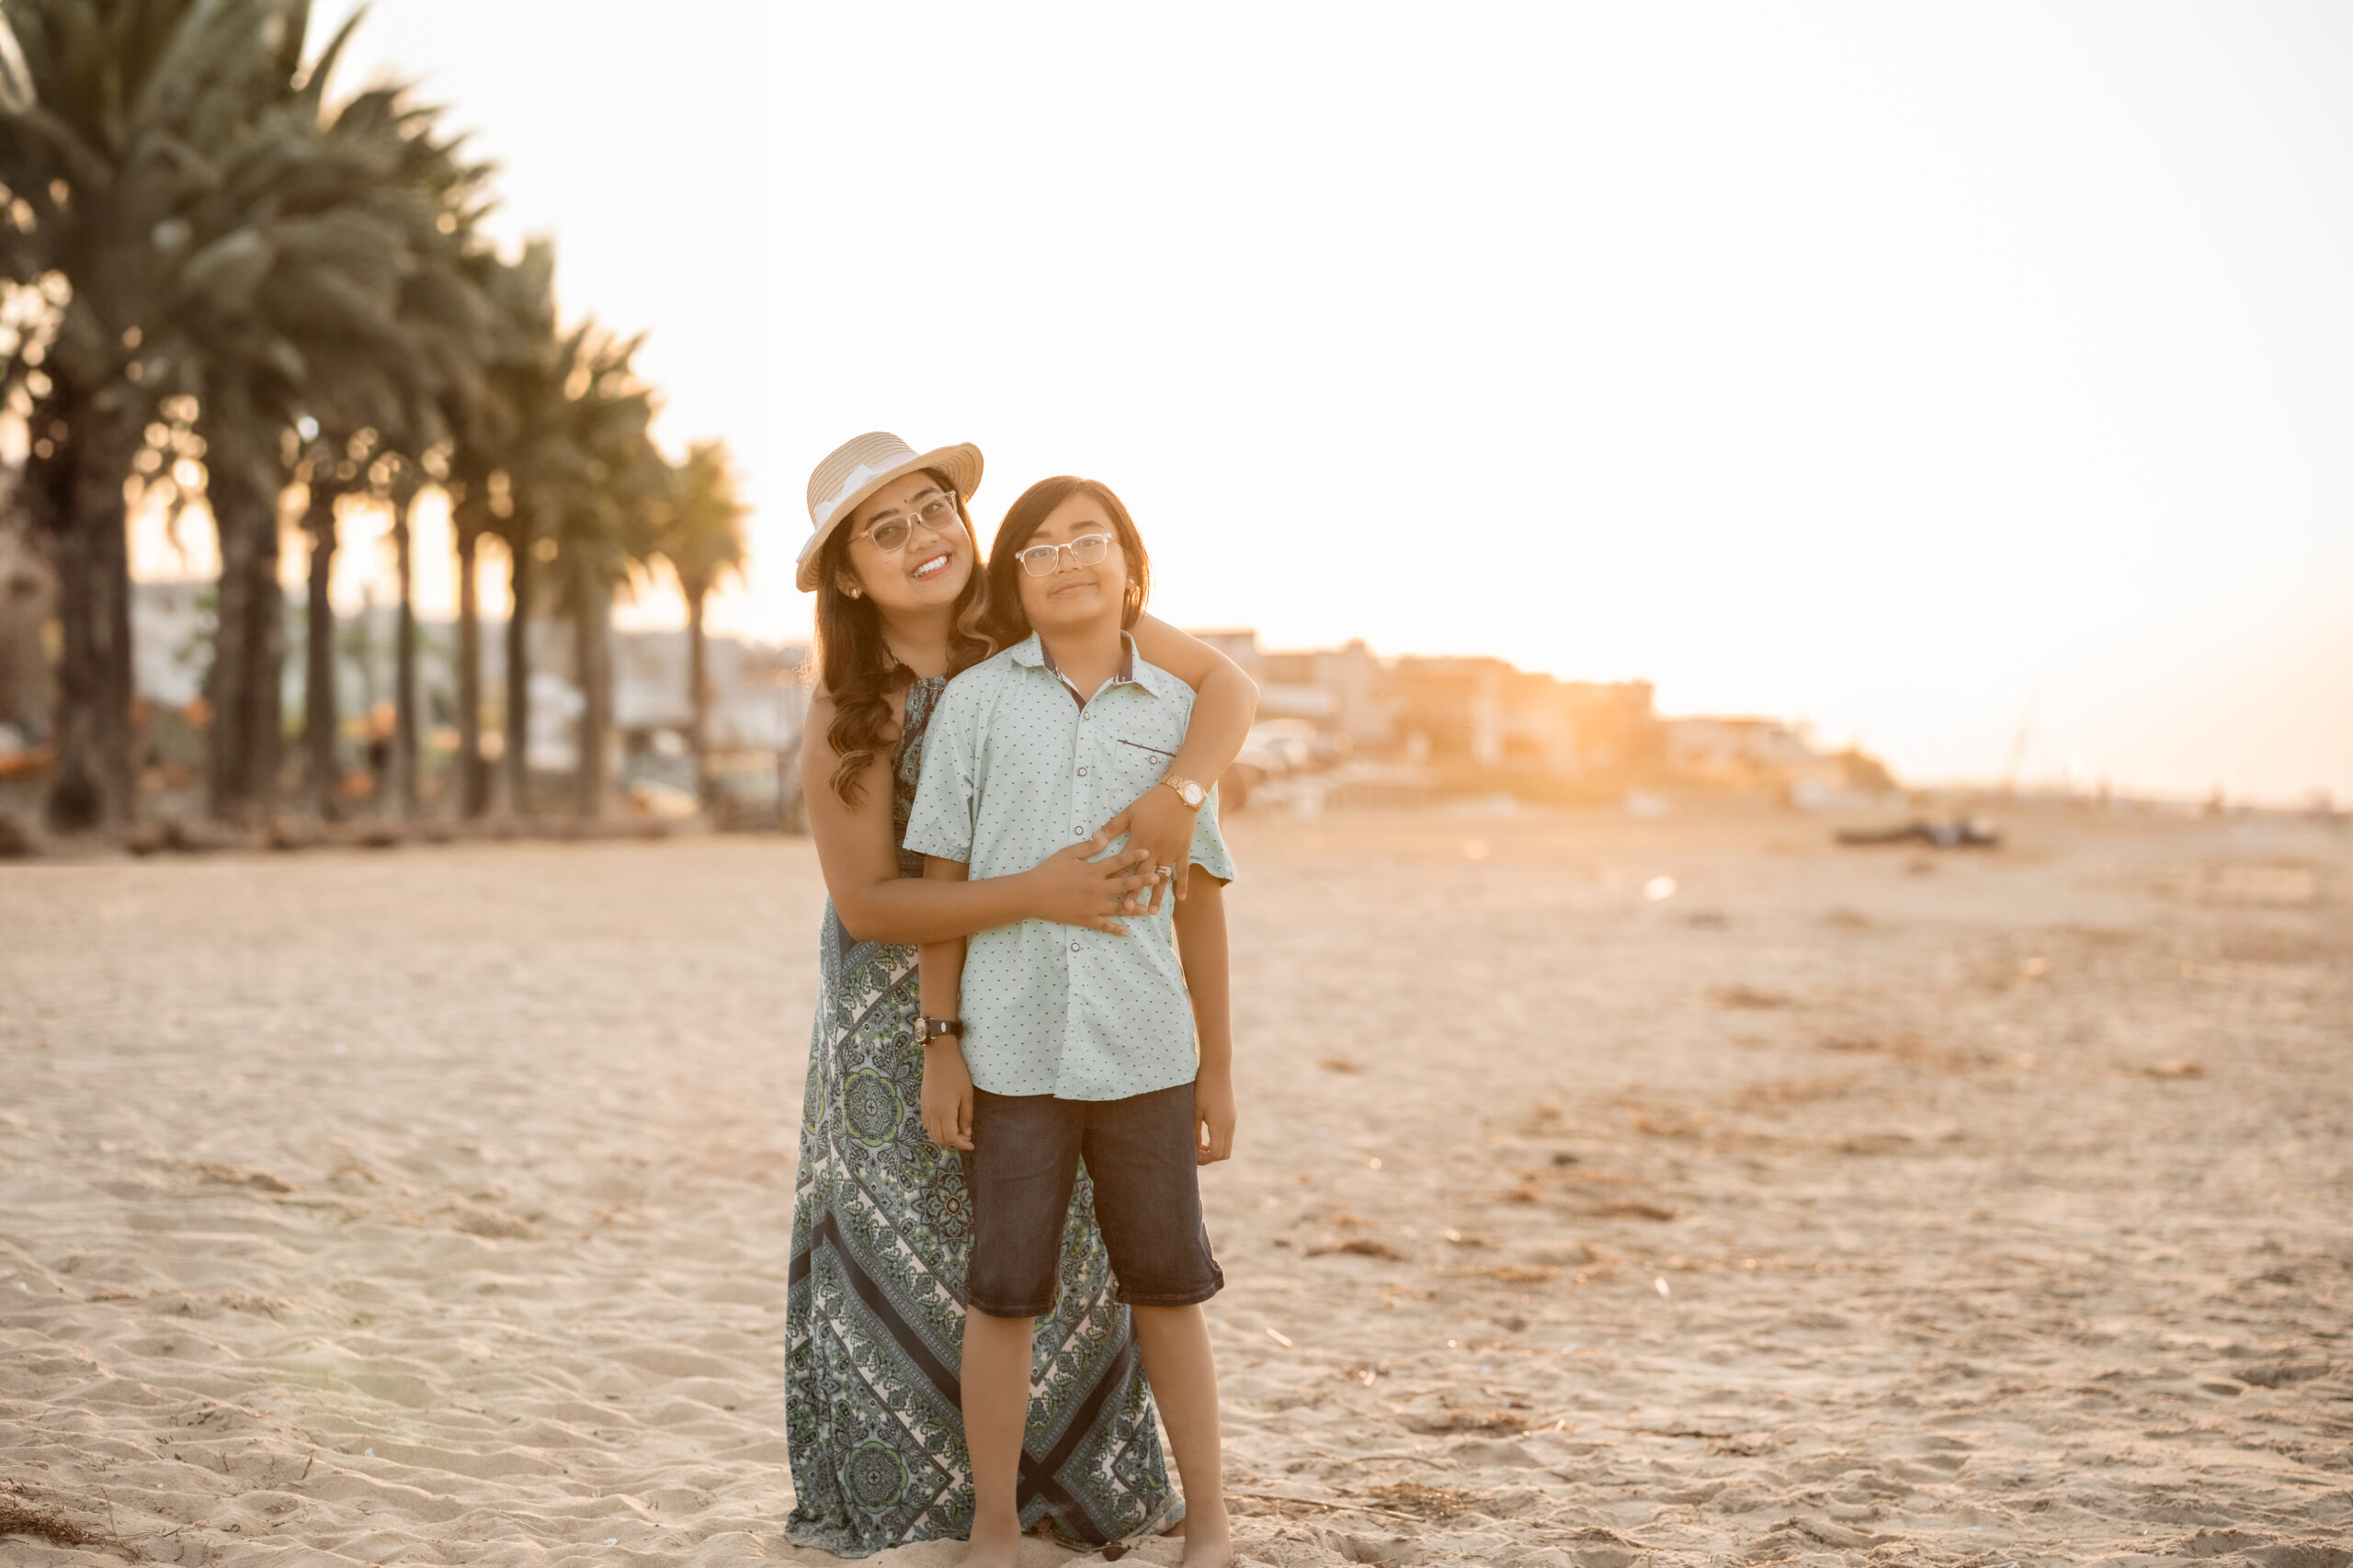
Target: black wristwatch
pixel 930 1030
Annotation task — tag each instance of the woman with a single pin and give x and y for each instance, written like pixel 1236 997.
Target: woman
pixel 881 1225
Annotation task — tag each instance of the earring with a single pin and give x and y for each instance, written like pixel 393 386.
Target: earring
pixel 854 592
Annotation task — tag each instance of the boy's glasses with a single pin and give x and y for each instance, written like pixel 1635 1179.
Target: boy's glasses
pixel 936 513
pixel 1087 550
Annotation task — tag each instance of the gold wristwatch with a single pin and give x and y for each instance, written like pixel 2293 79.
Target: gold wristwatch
pixel 1192 794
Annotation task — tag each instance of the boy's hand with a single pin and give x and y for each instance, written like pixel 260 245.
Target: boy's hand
pixel 1213 1118
pixel 1071 887
pixel 947 1094
pixel 1160 824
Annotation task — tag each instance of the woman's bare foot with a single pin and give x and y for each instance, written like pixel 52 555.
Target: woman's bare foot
pixel 992 1548
pixel 1208 1536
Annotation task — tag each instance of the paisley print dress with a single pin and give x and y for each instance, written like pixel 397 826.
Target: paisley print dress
pixel 882 1227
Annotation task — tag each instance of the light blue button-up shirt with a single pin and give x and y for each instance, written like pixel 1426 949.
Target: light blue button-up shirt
pixel 1015 768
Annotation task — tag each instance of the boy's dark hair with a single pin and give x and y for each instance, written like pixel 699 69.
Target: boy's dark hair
pixel 1006 623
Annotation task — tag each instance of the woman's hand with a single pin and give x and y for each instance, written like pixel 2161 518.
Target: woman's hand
pixel 1071 887
pixel 1159 822
pixel 1213 1115
pixel 947 1093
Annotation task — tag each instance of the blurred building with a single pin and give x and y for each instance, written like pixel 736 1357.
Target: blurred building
pixel 756 697
pixel 1480 722
pixel 1746 751
pixel 171 642
pixel 1476 712
pixel 1339 690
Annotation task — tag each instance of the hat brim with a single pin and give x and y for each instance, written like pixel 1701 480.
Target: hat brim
pixel 961 463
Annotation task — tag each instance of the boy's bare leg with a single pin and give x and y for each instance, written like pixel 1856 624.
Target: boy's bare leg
pixel 1183 1373
pixel 995 1376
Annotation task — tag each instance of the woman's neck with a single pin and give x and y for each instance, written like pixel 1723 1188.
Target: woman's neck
pixel 920 638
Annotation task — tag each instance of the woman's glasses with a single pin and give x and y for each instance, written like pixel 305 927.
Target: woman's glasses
pixel 936 512
pixel 1087 550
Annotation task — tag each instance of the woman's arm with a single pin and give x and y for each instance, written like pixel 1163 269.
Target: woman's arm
pixel 939 979
pixel 1200 944
pixel 861 861
pixel 1225 703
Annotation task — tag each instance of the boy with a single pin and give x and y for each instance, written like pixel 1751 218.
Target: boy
pixel 1076 1044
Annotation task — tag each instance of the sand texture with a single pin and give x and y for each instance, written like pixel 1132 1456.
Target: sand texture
pixel 1845 1206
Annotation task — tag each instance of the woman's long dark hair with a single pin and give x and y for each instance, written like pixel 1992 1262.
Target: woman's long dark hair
pixel 856 666
pixel 1006 623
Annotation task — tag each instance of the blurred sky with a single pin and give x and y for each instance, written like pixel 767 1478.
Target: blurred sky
pixel 1878 365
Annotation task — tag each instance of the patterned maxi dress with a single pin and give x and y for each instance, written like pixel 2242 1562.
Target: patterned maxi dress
pixel 874 1313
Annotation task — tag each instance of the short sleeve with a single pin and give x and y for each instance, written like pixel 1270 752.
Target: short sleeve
pixel 941 821
pixel 1209 842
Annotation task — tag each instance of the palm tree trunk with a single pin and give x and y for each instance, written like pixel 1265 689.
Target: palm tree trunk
pixel 405 662
pixel 698 699
pixel 473 784
pixel 589 614
pixel 321 718
pixel 82 484
pixel 248 644
pixel 516 756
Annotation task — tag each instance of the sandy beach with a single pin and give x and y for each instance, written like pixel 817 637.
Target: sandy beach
pixel 1841 1206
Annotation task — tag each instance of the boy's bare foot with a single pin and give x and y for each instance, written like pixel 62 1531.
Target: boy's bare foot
pixel 1208 1538
pixel 990 1548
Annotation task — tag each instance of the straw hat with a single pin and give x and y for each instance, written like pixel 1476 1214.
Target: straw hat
pixel 857 469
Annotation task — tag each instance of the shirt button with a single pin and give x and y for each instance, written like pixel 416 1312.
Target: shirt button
pixel 1074 946
pixel 1082 773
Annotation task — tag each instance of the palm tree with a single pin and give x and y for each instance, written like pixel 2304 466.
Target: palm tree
pixel 302 311
pixel 406 482
pixel 329 469
pixel 599 483
pixel 201 230
pixel 112 113
pixel 702 535
pixel 508 435
pixel 445 315
pixel 432 196
pixel 520 301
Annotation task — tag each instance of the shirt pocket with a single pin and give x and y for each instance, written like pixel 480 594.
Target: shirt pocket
pixel 1133 767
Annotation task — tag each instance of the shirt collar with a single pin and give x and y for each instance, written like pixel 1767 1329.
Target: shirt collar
pixel 1132 670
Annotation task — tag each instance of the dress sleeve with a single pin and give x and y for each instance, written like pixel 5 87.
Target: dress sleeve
pixel 941 821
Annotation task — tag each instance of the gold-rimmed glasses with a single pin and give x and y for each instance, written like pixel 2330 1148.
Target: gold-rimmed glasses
pixel 1087 550
pixel 936 511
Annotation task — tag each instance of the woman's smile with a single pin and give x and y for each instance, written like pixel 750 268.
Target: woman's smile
pixel 932 566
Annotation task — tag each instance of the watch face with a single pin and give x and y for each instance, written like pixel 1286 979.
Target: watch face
pixel 1192 793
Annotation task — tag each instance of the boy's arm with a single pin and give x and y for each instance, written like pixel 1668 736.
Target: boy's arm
pixel 1226 704
pixel 1200 943
pixel 939 979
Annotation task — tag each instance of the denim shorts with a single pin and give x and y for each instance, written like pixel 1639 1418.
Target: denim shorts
pixel 1024 1160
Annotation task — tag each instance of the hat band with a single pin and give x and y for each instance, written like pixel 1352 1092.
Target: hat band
pixel 859 477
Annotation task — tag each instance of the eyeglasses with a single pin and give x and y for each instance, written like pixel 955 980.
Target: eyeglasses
pixel 937 512
pixel 1087 550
